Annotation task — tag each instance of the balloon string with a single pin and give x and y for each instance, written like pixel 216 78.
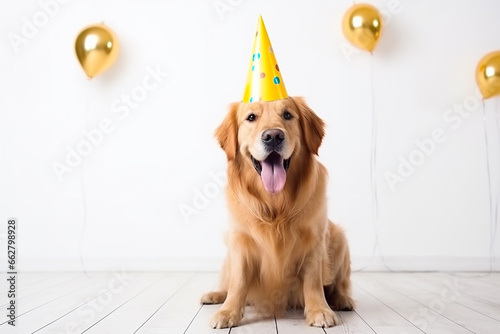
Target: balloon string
pixel 83 188
pixel 493 228
pixel 373 169
pixel 488 173
pixel 373 163
pixel 373 175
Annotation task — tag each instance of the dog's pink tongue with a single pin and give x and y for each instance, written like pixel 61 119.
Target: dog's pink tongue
pixel 273 173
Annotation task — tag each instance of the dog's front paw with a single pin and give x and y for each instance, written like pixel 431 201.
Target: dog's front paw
pixel 217 297
pixel 321 317
pixel 226 319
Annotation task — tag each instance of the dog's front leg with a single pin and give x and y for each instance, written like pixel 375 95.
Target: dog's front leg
pixel 317 311
pixel 231 312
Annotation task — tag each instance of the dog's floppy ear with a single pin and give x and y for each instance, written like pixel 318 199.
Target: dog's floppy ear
pixel 227 132
pixel 313 127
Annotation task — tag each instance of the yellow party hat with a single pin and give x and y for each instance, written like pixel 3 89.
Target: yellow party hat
pixel 264 81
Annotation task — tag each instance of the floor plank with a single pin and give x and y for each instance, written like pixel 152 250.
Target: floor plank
pixel 138 309
pixel 351 323
pixel 467 318
pixel 145 282
pixel 65 284
pixel 493 278
pixel 451 288
pixel 36 287
pixel 421 316
pixel 380 317
pixel 29 279
pixel 115 289
pixel 176 314
pixel 475 286
pixel 40 317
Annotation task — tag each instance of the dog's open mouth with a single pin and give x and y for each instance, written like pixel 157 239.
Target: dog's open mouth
pixel 272 171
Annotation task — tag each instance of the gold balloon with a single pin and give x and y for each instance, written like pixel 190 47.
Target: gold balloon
pixel 362 26
pixel 96 48
pixel 488 74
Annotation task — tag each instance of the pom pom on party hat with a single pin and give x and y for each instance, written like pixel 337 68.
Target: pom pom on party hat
pixel 264 82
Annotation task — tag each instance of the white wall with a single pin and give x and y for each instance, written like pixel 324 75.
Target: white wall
pixel 157 158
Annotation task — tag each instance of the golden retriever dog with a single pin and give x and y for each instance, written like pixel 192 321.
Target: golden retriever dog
pixel 283 252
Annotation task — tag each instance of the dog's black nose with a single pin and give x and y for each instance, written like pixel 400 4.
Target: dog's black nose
pixel 272 138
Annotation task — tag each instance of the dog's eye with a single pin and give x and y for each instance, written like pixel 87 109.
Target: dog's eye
pixel 251 118
pixel 287 115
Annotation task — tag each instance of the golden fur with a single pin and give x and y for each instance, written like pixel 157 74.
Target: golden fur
pixel 282 249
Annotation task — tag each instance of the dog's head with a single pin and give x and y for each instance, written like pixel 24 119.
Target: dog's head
pixel 271 136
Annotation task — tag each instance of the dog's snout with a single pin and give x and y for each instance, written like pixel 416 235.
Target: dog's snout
pixel 272 138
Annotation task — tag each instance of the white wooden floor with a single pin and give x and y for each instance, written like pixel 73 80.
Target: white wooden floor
pixel 132 302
